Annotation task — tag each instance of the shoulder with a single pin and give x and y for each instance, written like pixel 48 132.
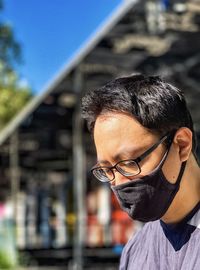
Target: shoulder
pixel 139 242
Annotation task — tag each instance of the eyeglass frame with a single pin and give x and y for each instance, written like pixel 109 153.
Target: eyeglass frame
pixel 137 160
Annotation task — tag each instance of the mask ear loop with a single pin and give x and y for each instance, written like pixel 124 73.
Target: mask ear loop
pixel 168 145
pixel 183 165
pixel 181 172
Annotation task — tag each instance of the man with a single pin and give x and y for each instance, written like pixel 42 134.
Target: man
pixel 145 144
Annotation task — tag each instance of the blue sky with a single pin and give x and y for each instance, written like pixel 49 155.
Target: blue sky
pixel 51 31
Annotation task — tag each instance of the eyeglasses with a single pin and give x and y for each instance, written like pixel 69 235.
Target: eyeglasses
pixel 127 168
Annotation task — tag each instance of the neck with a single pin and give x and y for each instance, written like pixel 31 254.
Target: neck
pixel 188 195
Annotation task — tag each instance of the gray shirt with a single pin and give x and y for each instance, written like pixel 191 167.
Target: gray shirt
pixel 159 246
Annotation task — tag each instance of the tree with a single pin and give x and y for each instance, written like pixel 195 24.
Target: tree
pixel 12 95
pixel 10 51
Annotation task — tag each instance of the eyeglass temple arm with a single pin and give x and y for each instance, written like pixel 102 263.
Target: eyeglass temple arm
pixel 151 149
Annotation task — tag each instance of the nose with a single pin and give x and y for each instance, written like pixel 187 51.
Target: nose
pixel 119 179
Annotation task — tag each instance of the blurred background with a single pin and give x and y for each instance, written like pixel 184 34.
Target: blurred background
pixel 53 214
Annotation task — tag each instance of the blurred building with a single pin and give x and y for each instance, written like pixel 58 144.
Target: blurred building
pixel 63 216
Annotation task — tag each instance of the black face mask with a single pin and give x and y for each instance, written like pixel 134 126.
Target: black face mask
pixel 148 198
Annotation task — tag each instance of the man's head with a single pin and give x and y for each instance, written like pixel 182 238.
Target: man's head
pixel 156 105
pixel 133 113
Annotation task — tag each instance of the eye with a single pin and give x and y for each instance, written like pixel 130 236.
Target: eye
pixel 104 174
pixel 106 171
pixel 128 166
pixel 129 163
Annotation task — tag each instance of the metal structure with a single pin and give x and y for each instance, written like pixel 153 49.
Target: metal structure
pixel 153 37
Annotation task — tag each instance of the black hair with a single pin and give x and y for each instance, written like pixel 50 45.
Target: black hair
pixel 156 104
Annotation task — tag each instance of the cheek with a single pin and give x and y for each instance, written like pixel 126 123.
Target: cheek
pixel 171 167
pixel 152 161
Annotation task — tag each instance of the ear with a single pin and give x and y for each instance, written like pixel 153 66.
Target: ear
pixel 183 142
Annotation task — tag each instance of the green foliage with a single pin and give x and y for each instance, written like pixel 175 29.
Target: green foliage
pixel 11 101
pixel 10 51
pixel 5 262
pixel 9 48
pixel 12 96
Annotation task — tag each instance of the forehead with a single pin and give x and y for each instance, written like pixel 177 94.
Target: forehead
pixel 116 132
pixel 122 123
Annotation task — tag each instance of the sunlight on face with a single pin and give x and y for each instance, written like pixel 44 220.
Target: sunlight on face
pixel 119 136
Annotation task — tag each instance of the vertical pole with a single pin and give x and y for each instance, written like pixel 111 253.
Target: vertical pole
pixel 14 171
pixel 79 178
pixel 15 180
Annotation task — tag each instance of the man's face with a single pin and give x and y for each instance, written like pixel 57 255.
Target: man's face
pixel 119 136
